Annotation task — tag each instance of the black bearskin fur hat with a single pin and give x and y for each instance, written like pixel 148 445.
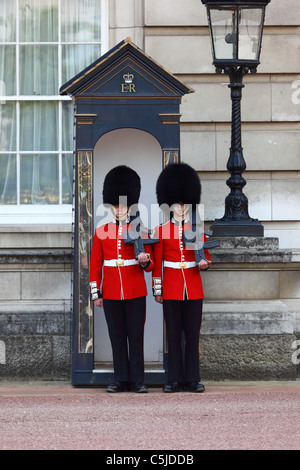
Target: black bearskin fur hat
pixel 178 182
pixel 121 181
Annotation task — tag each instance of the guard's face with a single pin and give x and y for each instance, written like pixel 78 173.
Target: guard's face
pixel 180 209
pixel 120 211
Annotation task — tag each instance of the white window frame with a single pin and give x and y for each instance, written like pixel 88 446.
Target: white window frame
pixel 21 214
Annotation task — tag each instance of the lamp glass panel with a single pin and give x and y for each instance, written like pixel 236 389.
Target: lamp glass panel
pixel 223 30
pixel 250 26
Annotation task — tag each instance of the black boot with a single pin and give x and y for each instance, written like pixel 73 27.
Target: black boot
pixel 195 387
pixel 117 387
pixel 172 387
pixel 139 388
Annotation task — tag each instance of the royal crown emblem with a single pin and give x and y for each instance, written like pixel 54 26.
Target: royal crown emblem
pixel 128 77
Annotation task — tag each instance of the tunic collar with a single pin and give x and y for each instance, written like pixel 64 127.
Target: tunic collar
pixel 121 222
pixel 179 223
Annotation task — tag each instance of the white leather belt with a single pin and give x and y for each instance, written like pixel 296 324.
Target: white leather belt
pixel 115 263
pixel 180 265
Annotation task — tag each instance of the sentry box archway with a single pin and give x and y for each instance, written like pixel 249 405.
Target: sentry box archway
pixel 124 89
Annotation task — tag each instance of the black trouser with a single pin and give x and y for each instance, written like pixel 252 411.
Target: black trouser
pixel 126 320
pixel 183 316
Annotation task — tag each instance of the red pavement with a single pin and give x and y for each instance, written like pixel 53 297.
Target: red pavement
pixel 237 416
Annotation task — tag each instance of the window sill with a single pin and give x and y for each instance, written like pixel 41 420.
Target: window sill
pixel 36 218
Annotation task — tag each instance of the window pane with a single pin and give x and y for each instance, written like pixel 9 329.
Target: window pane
pixel 29 33
pixel 67 125
pixel 81 21
pixel 67 179
pixel 38 20
pixel 7 21
pixel 8 179
pixel 7 70
pixel 38 70
pixel 39 179
pixel 8 126
pixel 75 58
pixel 39 125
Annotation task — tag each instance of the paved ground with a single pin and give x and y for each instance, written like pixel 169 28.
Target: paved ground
pixel 56 416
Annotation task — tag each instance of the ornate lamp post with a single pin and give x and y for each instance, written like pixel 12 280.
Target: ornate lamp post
pixel 236 28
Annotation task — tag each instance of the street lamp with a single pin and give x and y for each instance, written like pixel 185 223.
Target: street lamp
pixel 236 28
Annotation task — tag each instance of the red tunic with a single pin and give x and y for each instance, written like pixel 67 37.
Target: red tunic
pixel 118 282
pixel 176 282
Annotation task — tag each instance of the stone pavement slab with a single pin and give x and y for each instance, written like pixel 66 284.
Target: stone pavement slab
pixel 228 416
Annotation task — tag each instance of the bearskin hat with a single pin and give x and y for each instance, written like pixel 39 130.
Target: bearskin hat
pixel 178 182
pixel 121 181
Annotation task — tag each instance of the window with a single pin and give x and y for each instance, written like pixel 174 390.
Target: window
pixel 43 44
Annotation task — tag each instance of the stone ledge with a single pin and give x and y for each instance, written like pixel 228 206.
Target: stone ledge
pixel 252 250
pixel 246 318
pixel 35 256
pixel 244 306
pixel 58 324
pixel 24 228
pixel 249 243
pixel 35 307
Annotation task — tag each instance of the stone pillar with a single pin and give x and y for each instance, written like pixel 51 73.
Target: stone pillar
pixel 126 18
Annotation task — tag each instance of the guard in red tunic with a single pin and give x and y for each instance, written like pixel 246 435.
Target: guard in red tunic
pixel 117 280
pixel 176 276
